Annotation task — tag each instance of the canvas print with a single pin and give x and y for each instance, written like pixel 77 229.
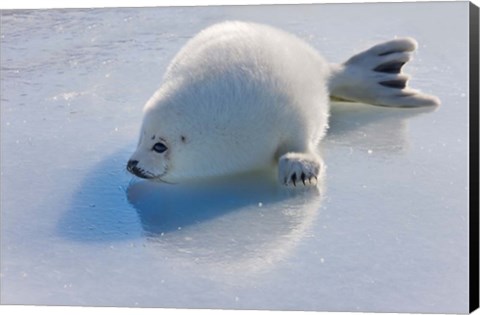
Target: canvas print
pixel 269 157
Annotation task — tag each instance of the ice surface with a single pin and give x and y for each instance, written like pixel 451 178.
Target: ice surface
pixel 387 230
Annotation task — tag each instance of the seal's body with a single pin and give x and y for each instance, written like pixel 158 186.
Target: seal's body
pixel 242 96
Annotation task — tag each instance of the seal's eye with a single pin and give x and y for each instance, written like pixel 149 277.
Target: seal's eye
pixel 159 147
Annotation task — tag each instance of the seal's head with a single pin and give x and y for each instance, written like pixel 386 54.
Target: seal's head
pixel 170 147
pixel 152 157
pixel 160 142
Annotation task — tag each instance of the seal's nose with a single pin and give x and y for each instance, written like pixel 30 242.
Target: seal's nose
pixel 131 165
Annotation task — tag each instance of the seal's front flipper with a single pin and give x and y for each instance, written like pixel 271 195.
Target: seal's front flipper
pixel 299 169
pixel 375 77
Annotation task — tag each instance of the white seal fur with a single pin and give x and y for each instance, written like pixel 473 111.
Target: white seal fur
pixel 241 96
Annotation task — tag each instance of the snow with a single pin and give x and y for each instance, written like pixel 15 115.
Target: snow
pixel 387 230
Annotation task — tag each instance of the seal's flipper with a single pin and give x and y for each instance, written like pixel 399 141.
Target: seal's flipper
pixel 375 77
pixel 299 168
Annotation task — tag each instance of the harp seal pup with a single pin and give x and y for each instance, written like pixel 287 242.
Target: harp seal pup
pixel 242 96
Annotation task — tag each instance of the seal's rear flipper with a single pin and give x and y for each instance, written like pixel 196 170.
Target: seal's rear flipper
pixel 375 77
